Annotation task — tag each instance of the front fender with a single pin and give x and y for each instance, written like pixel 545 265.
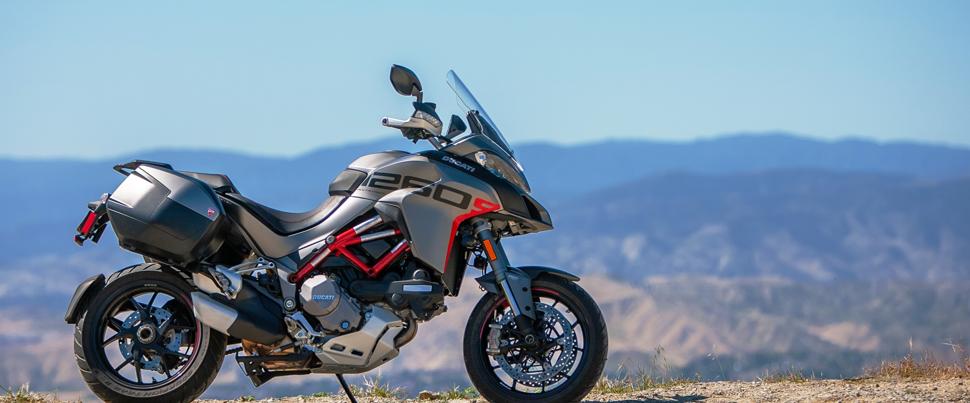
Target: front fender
pixel 487 281
pixel 83 295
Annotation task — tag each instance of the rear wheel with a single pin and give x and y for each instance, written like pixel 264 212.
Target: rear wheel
pixel 139 341
pixel 565 363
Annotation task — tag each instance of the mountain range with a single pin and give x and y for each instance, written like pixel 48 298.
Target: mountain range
pixel 731 256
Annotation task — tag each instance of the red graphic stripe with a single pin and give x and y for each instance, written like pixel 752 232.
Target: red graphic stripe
pixel 479 207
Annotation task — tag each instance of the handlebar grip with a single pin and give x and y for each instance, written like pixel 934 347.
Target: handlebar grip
pixel 391 122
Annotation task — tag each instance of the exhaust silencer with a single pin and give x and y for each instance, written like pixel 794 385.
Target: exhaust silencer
pixel 245 318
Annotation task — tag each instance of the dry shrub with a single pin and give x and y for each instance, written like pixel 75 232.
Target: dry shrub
pixel 926 366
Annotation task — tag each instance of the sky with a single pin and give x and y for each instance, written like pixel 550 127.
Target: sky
pixel 98 79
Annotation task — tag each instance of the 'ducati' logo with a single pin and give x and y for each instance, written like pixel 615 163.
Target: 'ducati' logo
pixel 463 165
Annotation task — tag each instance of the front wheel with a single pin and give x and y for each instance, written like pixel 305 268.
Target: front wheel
pixel 138 341
pixel 563 366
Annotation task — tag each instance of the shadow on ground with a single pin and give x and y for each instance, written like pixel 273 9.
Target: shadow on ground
pixel 675 399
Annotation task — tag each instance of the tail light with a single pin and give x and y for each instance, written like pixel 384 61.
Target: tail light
pixel 94 222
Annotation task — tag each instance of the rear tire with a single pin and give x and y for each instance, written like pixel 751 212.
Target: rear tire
pixel 579 382
pixel 205 348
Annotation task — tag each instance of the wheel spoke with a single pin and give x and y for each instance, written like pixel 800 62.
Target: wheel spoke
pixel 112 339
pixel 136 354
pixel 151 301
pixel 142 313
pixel 122 365
pixel 177 354
pixel 115 324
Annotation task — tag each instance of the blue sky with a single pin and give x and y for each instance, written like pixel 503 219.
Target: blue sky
pixel 95 79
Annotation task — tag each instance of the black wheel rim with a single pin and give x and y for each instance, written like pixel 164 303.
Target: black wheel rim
pixel 148 337
pixel 577 329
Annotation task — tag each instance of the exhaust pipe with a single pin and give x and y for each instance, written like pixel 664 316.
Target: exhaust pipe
pixel 246 318
pixel 213 313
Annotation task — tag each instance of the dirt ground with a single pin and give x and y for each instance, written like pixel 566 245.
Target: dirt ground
pixel 952 390
pixel 870 390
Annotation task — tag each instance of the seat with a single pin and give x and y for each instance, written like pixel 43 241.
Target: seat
pixel 285 223
pixel 282 222
pixel 218 182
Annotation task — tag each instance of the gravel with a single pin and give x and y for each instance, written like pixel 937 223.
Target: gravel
pixel 869 390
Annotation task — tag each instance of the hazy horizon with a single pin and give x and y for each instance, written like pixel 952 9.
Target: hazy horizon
pixel 407 145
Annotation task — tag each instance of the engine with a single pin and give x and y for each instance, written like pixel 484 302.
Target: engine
pixel 335 310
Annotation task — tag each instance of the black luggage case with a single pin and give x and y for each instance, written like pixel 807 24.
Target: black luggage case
pixel 164 214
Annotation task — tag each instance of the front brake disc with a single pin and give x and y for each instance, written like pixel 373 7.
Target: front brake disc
pixel 565 344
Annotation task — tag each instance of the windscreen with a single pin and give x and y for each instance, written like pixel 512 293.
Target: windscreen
pixel 468 101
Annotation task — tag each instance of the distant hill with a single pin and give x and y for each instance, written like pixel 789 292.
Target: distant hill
pixel 738 255
pixel 795 224
pixel 579 168
pixel 51 193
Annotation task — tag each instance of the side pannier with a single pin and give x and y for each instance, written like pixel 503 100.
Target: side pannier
pixel 164 214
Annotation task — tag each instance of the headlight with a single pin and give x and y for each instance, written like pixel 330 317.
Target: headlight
pixel 500 168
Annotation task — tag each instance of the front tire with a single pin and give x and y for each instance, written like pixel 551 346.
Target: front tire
pixel 574 378
pixel 138 340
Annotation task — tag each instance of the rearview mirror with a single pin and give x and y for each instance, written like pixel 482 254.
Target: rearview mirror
pixel 405 82
pixel 455 127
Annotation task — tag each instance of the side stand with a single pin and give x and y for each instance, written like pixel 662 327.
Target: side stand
pixel 343 384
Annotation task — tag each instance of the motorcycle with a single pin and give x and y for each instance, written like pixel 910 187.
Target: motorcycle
pixel 338 289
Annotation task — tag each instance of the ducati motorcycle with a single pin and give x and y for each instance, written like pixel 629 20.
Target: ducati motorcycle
pixel 339 289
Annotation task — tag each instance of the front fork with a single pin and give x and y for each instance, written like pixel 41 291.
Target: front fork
pixel 514 283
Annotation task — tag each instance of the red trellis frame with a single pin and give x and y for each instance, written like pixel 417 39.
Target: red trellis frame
pixel 351 237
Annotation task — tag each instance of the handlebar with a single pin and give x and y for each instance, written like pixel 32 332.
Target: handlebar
pixel 395 123
pixel 411 124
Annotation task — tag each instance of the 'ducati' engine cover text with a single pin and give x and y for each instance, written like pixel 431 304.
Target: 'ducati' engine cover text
pixel 336 311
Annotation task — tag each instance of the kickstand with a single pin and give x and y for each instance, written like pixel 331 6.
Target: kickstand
pixel 343 384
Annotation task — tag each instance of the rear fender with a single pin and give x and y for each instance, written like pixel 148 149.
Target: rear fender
pixel 487 281
pixel 83 295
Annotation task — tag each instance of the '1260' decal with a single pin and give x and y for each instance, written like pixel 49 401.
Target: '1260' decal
pixel 443 193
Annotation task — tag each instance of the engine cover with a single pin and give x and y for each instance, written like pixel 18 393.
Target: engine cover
pixel 336 311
